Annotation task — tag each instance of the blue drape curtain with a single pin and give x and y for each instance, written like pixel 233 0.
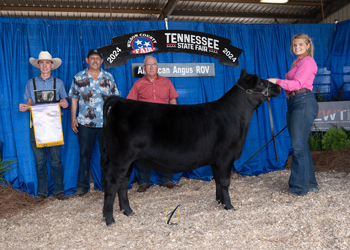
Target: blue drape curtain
pixel 266 53
pixel 340 58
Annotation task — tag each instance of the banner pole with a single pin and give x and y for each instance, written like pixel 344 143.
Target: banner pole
pixel 166 23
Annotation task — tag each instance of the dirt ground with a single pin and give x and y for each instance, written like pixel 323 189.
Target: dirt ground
pixel 265 216
pixel 13 201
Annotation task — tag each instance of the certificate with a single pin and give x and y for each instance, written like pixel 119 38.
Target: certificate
pixel 47 125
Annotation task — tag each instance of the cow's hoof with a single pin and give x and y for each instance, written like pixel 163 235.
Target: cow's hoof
pixel 229 207
pixel 110 222
pixel 218 201
pixel 131 213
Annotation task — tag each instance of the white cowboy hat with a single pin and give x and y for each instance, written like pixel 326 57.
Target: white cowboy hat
pixel 45 55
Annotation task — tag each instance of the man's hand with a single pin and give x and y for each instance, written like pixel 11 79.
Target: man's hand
pixel 23 107
pixel 74 125
pixel 64 103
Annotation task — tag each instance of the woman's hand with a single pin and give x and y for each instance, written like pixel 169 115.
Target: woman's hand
pixel 273 80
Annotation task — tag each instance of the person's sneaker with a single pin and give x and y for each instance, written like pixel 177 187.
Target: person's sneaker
pixel 80 192
pixel 61 197
pixel 39 198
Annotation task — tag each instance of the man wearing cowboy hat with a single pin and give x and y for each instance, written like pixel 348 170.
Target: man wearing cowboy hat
pixel 89 90
pixel 45 89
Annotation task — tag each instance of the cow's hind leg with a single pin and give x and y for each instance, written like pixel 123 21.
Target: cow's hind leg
pixel 222 180
pixel 111 188
pixel 113 182
pixel 123 194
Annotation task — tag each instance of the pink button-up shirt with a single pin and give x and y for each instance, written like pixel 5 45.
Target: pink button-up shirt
pixel 301 75
pixel 160 91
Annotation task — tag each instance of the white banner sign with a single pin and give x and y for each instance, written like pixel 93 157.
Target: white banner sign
pixel 47 125
pixel 332 114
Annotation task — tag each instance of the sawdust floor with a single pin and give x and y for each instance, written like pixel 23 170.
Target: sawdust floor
pixel 265 216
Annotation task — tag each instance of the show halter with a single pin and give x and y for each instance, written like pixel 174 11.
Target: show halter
pixel 264 92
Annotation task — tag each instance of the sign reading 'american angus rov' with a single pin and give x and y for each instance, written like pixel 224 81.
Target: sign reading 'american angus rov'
pixel 177 69
pixel 160 41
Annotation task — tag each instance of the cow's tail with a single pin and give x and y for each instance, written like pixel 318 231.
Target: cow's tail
pixel 104 161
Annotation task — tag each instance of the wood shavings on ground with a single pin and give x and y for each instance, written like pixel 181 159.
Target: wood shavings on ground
pixel 265 218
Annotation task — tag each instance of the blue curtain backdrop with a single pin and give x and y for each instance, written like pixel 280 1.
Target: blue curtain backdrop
pixel 266 53
pixel 340 61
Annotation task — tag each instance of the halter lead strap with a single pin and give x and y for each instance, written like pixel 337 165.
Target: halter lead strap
pixel 265 93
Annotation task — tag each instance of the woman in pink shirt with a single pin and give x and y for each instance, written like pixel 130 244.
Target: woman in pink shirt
pixel 302 110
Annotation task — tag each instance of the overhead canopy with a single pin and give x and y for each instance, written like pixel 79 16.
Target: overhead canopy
pixel 266 52
pixel 214 11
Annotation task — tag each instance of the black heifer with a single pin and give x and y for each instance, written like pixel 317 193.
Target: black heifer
pixel 178 138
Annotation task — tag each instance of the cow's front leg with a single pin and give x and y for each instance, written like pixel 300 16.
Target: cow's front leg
pixel 223 176
pixel 218 191
pixel 217 183
pixel 225 196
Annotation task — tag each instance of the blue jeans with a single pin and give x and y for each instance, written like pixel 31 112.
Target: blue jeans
pixel 40 156
pixel 302 110
pixel 145 175
pixel 86 137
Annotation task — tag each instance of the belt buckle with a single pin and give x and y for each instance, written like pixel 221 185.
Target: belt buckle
pixel 293 93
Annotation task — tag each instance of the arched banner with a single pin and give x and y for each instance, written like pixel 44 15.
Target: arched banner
pixel 160 41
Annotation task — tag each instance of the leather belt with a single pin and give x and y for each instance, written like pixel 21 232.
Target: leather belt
pixel 293 93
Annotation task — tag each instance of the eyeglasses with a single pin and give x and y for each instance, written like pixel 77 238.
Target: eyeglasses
pixel 151 65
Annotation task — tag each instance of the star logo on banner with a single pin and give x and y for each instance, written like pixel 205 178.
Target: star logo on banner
pixel 142 45
pixel 141 42
pixel 138 42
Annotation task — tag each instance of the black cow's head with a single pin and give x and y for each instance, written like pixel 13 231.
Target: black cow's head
pixel 254 85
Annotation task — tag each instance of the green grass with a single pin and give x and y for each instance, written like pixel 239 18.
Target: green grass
pixel 6 168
